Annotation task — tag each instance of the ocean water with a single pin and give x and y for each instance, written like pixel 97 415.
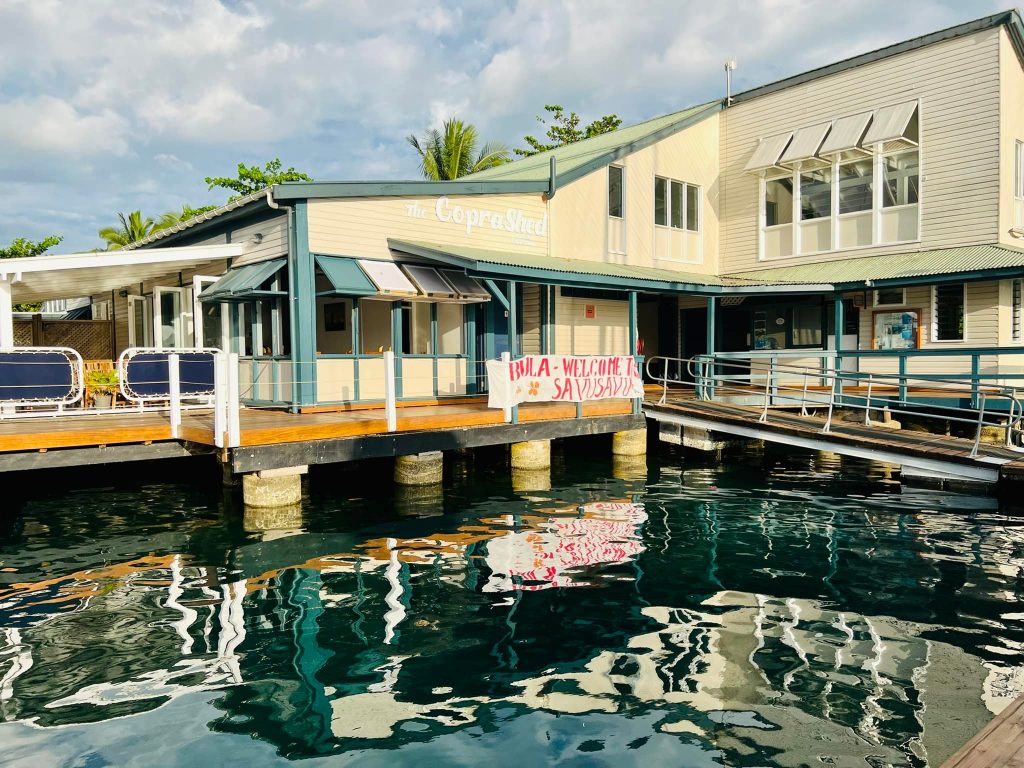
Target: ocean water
pixel 775 609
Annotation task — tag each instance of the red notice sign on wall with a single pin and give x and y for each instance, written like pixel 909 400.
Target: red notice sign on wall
pixel 589 311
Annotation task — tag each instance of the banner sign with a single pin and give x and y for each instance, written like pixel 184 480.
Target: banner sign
pixel 559 378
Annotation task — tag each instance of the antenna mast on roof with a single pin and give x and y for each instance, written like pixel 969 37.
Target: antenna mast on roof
pixel 730 66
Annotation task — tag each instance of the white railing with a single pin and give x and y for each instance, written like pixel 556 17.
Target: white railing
pixel 808 388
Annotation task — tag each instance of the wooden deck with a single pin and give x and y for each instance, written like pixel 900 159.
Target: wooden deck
pixel 999 745
pixel 271 427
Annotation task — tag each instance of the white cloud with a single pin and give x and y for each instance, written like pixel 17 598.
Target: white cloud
pixel 141 105
pixel 51 126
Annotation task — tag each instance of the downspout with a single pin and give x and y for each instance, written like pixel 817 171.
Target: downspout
pixel 291 291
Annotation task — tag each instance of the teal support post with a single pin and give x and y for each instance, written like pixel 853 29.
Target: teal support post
pixel 975 378
pixel 356 348
pixel 903 377
pixel 470 347
pixel 302 294
pixel 397 343
pixel 513 332
pixel 839 320
pixel 709 385
pixel 545 346
pixel 634 340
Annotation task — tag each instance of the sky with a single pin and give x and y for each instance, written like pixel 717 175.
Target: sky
pixel 108 106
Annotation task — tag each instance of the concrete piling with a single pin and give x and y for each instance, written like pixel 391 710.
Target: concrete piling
pixel 273 487
pixel 420 468
pixel 632 442
pixel 531 455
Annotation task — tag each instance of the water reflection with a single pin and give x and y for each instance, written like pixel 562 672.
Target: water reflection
pixel 799 609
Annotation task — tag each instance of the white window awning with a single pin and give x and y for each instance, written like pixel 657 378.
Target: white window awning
pixel 389 278
pixel 891 124
pixel 768 152
pixel 429 282
pixel 805 144
pixel 846 134
pixel 468 288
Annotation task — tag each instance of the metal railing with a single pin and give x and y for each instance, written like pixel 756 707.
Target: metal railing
pixel 806 388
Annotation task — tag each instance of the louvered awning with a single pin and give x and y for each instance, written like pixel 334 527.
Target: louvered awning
pixel 768 152
pixel 805 144
pixel 246 282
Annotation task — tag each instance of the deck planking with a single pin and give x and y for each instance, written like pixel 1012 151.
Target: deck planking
pixel 271 427
pixel 1000 744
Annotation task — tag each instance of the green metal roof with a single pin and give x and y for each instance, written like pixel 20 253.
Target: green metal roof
pixel 573 161
pixel 973 261
pixel 505 265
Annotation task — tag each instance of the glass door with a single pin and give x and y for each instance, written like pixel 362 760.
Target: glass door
pixel 140 328
pixel 210 319
pixel 169 318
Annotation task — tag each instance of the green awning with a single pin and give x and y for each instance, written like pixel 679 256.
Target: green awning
pixel 246 282
pixel 345 276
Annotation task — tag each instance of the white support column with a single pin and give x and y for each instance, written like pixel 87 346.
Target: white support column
pixel 234 424
pixel 174 391
pixel 6 315
pixel 390 406
pixel 220 398
pixel 507 412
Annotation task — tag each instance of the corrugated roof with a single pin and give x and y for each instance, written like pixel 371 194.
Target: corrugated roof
pixel 592 153
pixel 195 220
pixel 944 261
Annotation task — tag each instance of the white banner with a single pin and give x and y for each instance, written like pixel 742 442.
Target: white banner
pixel 560 378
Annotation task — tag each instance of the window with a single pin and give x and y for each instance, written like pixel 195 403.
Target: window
pixel 900 179
pixel 778 205
pixel 416 328
pixel 1018 184
pixel 948 312
pixel 855 187
pixel 890 297
pixel 449 329
pixel 815 194
pixel 807 326
pixel 140 327
pixel 1016 320
pixel 374 326
pixel 675 204
pixel 615 174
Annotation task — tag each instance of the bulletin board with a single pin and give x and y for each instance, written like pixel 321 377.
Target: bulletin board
pixel 899 329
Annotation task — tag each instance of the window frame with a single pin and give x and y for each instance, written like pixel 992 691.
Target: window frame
pixel 876 154
pixel 684 224
pixel 622 192
pixel 935 314
pixel 1016 313
pixel 876 297
pixel 1018 169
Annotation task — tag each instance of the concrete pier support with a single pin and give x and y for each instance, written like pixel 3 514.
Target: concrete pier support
pixel 531 455
pixel 632 442
pixel 420 469
pixel 273 487
pixel 529 480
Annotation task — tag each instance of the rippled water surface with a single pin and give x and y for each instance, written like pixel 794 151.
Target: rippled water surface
pixel 777 610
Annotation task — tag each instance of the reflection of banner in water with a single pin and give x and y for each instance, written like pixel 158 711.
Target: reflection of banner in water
pixel 534 560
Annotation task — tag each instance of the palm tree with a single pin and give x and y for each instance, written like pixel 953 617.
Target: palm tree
pixel 174 218
pixel 132 228
pixel 451 152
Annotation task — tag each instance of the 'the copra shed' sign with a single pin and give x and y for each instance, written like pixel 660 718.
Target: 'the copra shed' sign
pixel 560 378
pixel 515 221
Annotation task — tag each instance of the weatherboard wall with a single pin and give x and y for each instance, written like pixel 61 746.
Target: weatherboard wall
pixel 582 229
pixel 958 84
pixel 361 226
pixel 1011 130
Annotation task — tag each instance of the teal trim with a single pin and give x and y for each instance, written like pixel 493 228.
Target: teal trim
pixel 303 310
pixel 544 325
pixel 356 347
pixel 513 320
pixel 972 276
pixel 345 276
pixel 497 293
pixel 710 336
pixel 840 324
pixel 469 345
pixel 396 344
pixel 632 323
pixel 307 190
pixel 242 282
pixel 275 380
pixel 433 346
pixel 1011 19
pixel 554 319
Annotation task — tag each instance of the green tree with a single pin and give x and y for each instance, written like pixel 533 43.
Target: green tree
pixel 174 218
pixel 253 178
pixel 21 246
pixel 130 229
pixel 565 129
pixel 452 152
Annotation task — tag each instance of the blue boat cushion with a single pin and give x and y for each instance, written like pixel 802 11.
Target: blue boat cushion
pixel 37 377
pixel 146 375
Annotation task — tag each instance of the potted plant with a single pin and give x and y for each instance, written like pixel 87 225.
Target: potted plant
pixel 102 385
